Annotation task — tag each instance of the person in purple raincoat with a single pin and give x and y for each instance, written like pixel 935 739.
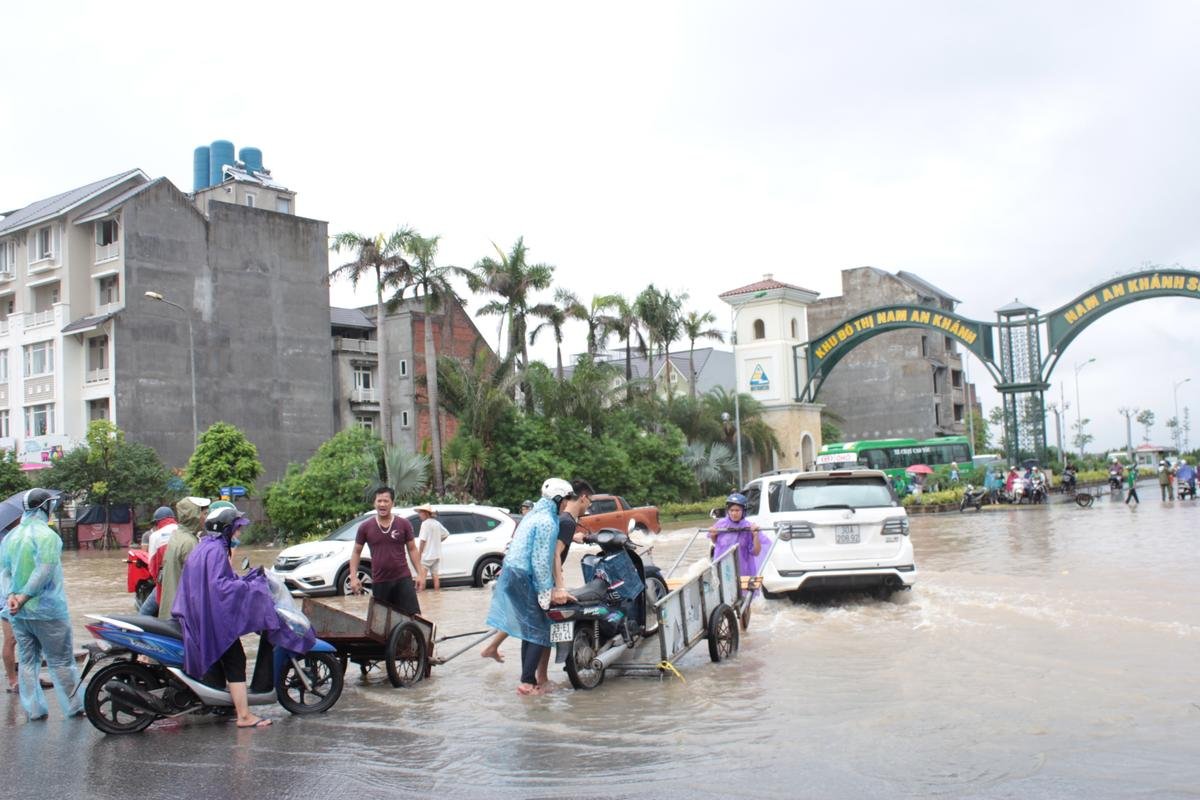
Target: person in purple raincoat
pixel 215 607
pixel 734 530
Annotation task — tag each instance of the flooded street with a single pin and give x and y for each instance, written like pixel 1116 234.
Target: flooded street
pixel 1045 652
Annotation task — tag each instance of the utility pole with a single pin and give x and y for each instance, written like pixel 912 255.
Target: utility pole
pixel 1129 413
pixel 1058 415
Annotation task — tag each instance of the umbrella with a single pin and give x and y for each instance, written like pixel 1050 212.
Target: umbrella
pixel 920 469
pixel 11 510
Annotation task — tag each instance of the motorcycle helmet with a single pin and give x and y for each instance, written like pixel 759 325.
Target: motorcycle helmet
pixel 162 512
pixel 736 499
pixel 219 504
pixel 38 499
pixel 224 521
pixel 556 489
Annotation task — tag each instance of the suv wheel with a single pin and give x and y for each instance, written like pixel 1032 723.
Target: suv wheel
pixel 343 579
pixel 487 570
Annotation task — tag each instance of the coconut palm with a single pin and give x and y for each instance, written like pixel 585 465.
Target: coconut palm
pixel 600 325
pixel 477 391
pixel 694 328
pixel 565 306
pixel 660 313
pixel 758 438
pixel 381 257
pixel 626 324
pixel 714 466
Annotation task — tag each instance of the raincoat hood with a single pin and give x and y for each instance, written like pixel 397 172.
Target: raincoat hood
pixel 190 516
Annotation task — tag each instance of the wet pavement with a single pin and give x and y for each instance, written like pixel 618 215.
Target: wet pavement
pixel 1045 652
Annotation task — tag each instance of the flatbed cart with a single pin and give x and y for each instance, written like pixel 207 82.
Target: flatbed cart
pixel 751 584
pixel 368 632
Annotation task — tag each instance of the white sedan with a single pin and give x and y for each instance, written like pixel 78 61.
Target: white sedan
pixel 473 552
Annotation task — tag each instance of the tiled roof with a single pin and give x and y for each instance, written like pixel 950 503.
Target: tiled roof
pixel 53 206
pixel 349 318
pixel 764 285
pixel 88 323
pixel 109 206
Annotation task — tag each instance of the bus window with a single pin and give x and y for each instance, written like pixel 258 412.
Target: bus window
pixel 875 459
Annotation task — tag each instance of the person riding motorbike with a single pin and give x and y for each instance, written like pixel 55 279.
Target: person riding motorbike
pixel 1069 479
pixel 216 607
pixel 156 549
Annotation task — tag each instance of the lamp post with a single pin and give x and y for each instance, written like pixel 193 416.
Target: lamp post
pixel 737 390
pixel 192 352
pixel 1178 429
pixel 1078 407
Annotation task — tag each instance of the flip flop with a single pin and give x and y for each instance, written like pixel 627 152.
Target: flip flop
pixel 261 723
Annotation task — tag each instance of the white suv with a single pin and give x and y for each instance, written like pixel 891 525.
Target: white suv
pixel 474 551
pixel 835 530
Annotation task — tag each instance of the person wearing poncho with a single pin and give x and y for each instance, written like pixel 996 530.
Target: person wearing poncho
pixel 734 530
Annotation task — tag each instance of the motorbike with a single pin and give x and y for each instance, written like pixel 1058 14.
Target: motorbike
pixel 611 613
pixel 1187 490
pixel 972 497
pixel 1114 480
pixel 1068 482
pixel 140 677
pixel 138 579
pixel 1019 492
pixel 1037 491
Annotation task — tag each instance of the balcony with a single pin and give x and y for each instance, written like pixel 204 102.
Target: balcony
pixel 364 396
pixel 96 376
pixel 342 344
pixel 34 319
pixel 107 252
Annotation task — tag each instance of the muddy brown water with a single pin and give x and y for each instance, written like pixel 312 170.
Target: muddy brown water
pixel 1047 652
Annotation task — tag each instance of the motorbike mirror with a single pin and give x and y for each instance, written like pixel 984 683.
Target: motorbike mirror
pixel 245 563
pixel 717 513
pixel 631 526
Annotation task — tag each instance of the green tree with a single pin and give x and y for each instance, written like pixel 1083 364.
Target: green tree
pixel 404 472
pixel 313 499
pixel 1146 420
pixel 478 392
pixel 600 325
pixel 983 432
pixel 758 438
pixel 381 257
pixel 107 470
pixel 660 312
pixel 224 457
pixel 12 478
pixel 714 465
pixel 627 325
pixel 696 326
pixel 566 306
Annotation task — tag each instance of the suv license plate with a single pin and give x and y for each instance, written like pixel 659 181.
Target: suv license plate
pixel 562 631
pixel 846 534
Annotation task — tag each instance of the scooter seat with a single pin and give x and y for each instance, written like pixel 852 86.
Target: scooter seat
pixel 161 627
pixel 591 594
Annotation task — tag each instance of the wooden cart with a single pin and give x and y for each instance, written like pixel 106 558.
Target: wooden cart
pixel 369 632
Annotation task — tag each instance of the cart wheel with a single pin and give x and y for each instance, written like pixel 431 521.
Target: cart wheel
pixel 580 671
pixel 1084 500
pixel 407 655
pixel 722 633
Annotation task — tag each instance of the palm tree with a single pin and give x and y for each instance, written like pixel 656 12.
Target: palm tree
pixel 627 325
pixel 477 391
pixel 714 466
pixel 599 324
pixel 565 306
pixel 382 256
pixel 512 279
pixel 660 313
pixel 432 283
pixel 693 329
pixel 758 438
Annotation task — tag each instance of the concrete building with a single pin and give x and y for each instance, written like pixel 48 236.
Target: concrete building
pixel 355 389
pixel 80 340
pixel 905 383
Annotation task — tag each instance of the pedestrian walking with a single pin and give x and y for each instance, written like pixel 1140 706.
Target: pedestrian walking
pixel 429 545
pixel 1131 477
pixel 36 607
pixel 1165 486
pixel 390 538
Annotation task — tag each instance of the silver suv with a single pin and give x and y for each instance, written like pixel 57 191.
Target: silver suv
pixel 835 530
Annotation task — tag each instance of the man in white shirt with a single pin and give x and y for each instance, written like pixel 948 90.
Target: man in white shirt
pixel 429 544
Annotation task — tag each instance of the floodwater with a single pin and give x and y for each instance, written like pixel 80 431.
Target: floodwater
pixel 1045 652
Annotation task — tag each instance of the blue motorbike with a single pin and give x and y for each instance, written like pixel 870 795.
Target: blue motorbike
pixel 127 693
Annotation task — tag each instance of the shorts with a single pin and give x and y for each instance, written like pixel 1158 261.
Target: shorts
pixel 432 565
pixel 400 594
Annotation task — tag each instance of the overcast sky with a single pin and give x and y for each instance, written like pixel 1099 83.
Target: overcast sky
pixel 999 151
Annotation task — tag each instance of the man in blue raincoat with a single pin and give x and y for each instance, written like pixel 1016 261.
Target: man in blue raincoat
pixel 36 606
pixel 526 586
pixel 216 607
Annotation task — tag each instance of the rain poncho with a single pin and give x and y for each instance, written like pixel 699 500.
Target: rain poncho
pixel 31 565
pixel 215 607
pixel 738 534
pixel 522 592
pixel 179 546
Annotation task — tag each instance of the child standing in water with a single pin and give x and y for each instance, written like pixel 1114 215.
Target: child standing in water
pixel 734 530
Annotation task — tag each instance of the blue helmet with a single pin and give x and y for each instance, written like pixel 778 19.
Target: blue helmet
pixel 736 499
pixel 162 512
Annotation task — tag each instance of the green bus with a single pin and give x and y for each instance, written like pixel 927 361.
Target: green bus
pixel 894 456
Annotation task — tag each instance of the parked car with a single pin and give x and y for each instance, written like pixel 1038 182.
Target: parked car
pixel 611 511
pixel 473 553
pixel 835 530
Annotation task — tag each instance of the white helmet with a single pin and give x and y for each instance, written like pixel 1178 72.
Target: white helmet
pixel 556 489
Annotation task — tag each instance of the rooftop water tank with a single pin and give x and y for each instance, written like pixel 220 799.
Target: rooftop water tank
pixel 200 160
pixel 252 158
pixel 220 155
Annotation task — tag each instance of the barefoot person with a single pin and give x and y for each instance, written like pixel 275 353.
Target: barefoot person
pixel 527 584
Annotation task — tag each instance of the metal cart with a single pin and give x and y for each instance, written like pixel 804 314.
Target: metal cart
pixel 368 631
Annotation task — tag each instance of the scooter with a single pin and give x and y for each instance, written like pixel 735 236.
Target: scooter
pixel 1114 480
pixel 127 693
pixel 612 613
pixel 1186 490
pixel 138 578
pixel 972 497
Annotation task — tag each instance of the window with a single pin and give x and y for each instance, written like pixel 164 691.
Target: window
pixel 937 414
pixel 110 289
pixel 250 200
pixel 8 257
pixel 106 232
pixel 403 367
pixel 39 359
pixel 11 306
pixel 43 243
pixel 283 205
pixel 364 378
pixel 4 368
pixel 54 295
pixel 39 420
pixel 4 424
pixel 949 345
pixel 857 492
pixel 956 378
pixel 795 329
pixel 365 421
pixel 97 409
pixel 604 506
pixel 403 419
pixel 97 353
pixel 760 329
pixel 958 412
pixel 924 346
pixel 753 497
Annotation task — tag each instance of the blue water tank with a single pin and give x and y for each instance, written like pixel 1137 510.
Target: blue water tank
pixel 200 159
pixel 220 154
pixel 252 158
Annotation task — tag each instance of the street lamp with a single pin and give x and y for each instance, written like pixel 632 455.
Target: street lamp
pixel 1078 407
pixel 737 390
pixel 192 351
pixel 1178 429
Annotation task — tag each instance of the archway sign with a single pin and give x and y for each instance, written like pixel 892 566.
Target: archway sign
pixel 1019 337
